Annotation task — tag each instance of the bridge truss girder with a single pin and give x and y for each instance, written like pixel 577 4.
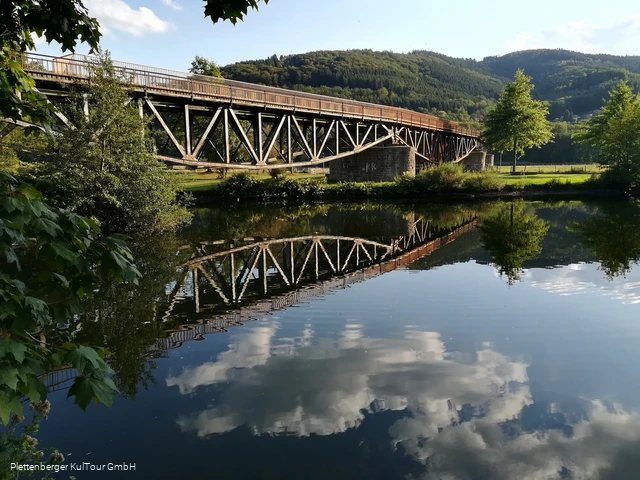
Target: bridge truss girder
pixel 240 137
pixel 436 147
pixel 231 136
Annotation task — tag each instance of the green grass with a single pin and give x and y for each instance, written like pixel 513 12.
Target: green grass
pixel 200 181
pixel 543 178
pixel 557 169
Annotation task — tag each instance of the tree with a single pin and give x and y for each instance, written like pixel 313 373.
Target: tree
pixel 203 66
pixel 232 10
pixel 517 122
pixel 513 236
pixel 615 134
pixel 50 261
pixel 64 21
pixel 106 167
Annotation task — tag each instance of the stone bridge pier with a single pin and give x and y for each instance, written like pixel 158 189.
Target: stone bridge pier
pixel 477 161
pixel 377 164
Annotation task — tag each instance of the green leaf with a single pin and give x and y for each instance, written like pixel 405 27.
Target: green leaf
pixel 9 403
pixel 88 388
pixel 29 192
pixel 11 257
pixel 82 356
pixel 63 280
pixel 49 226
pixel 14 348
pixel 11 204
pixel 36 391
pixel 9 376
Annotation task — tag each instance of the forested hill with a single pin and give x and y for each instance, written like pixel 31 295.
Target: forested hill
pixel 574 83
pixel 420 81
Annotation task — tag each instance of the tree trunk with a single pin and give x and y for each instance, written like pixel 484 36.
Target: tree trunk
pixel 515 155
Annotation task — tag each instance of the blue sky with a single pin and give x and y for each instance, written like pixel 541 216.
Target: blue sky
pixel 169 33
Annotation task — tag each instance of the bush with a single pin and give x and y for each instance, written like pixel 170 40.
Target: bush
pixel 353 188
pixel 612 178
pixel 449 177
pixel 445 177
pixel 277 173
pixel 238 185
pixel 292 188
pixel 486 181
pixel 9 161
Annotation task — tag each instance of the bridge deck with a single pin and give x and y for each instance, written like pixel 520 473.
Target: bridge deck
pixel 77 68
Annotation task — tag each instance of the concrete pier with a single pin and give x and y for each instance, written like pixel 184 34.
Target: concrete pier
pixel 477 161
pixel 377 164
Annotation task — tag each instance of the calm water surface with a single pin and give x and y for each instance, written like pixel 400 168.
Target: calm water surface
pixel 476 341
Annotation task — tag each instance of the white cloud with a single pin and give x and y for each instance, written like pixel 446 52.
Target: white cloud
pixel 172 4
pixel 620 37
pixel 586 279
pixel 602 447
pixel 118 15
pixel 38 40
pixel 336 381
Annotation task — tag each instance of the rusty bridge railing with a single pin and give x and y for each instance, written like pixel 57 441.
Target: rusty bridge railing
pixel 75 68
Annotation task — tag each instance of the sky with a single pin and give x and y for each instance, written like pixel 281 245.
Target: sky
pixel 169 33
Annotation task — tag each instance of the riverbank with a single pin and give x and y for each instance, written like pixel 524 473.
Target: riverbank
pixel 446 182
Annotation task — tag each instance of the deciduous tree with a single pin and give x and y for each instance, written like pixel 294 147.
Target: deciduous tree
pixel 615 134
pixel 50 260
pixel 517 122
pixel 106 167
pixel 203 66
pixel 613 235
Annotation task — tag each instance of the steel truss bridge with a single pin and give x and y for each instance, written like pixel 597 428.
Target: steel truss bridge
pixel 209 122
pixel 235 284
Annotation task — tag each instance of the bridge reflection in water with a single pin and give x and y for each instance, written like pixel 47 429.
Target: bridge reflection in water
pixel 228 283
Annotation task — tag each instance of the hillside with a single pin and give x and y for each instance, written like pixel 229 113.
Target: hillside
pixel 571 81
pixel 465 89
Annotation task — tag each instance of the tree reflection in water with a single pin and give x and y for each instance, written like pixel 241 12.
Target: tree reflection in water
pixel 613 235
pixel 124 319
pixel 512 236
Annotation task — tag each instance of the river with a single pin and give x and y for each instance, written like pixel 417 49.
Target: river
pixel 486 340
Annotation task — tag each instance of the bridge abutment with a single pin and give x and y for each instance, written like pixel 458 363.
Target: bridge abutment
pixel 377 164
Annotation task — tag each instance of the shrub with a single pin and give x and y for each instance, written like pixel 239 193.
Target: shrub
pixel 612 178
pixel 486 181
pixel 9 161
pixel 239 185
pixel 406 183
pixel 444 177
pixel 277 173
pixel 514 187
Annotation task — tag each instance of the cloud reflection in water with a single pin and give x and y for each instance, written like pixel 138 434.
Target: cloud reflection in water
pixel 328 388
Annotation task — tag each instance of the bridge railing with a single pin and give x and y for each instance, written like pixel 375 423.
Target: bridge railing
pixel 171 81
